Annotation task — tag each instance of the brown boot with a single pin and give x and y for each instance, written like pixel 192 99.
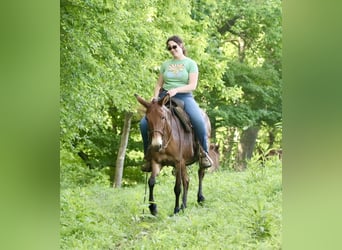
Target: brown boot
pixel 147 166
pixel 205 161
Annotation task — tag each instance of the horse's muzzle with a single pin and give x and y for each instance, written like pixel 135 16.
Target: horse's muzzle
pixel 156 147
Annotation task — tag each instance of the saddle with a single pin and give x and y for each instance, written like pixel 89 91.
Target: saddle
pixel 177 107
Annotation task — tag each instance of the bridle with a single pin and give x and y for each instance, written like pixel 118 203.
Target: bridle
pixel 162 132
pixel 158 131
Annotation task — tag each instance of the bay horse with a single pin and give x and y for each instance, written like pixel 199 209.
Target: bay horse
pixel 171 145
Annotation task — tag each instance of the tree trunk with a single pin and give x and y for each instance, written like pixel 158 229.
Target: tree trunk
pixel 271 137
pixel 228 146
pixel 122 150
pixel 246 147
pixel 242 50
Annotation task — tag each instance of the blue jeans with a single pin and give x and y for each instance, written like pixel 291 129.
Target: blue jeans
pixel 196 118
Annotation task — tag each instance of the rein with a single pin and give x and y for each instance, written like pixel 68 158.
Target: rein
pixel 179 136
pixel 145 192
pixel 167 143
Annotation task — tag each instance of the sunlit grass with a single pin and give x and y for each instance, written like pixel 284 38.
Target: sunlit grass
pixel 242 211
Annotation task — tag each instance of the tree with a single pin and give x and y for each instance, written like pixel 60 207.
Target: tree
pixel 248 33
pixel 105 58
pixel 113 49
pixel 109 51
pixel 122 150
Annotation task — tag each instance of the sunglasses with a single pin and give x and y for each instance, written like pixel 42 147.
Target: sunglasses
pixel 172 47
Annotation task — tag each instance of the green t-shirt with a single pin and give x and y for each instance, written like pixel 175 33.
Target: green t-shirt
pixel 176 72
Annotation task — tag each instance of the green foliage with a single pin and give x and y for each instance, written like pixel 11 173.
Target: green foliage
pixel 242 211
pixel 261 93
pixel 113 49
pixel 74 172
pixel 246 37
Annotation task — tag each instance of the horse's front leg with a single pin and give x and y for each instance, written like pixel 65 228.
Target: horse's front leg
pixel 151 183
pixel 177 188
pixel 200 197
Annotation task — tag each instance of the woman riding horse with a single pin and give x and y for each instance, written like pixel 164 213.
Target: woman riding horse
pixel 178 78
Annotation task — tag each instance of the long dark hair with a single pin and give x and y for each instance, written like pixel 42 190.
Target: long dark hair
pixel 177 40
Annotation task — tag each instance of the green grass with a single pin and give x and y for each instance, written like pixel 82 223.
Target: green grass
pixel 242 211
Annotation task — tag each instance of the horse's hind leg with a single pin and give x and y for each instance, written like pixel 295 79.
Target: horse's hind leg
pixel 177 188
pixel 185 182
pixel 200 197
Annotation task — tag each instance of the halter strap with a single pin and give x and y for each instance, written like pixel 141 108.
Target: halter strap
pixel 158 131
pixel 162 132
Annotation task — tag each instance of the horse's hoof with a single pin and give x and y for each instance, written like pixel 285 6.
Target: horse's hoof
pixel 176 210
pixel 200 199
pixel 153 209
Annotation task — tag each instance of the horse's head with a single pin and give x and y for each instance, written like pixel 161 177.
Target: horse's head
pixel 156 115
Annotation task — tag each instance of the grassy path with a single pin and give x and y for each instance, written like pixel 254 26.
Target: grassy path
pixel 242 211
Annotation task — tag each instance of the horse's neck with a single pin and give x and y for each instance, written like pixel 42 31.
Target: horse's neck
pixel 176 129
pixel 173 121
pixel 176 135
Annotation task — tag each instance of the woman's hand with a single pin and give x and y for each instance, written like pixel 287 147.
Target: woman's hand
pixel 154 99
pixel 172 92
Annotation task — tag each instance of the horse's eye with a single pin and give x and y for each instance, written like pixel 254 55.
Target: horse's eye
pixel 163 117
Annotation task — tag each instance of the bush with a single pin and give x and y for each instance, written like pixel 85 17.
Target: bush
pixel 75 173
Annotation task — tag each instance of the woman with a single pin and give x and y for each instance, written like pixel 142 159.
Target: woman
pixel 178 77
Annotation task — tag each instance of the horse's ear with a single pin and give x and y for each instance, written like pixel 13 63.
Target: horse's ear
pixel 164 100
pixel 142 101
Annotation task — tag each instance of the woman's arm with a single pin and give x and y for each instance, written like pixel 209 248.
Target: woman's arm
pixel 191 86
pixel 158 86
